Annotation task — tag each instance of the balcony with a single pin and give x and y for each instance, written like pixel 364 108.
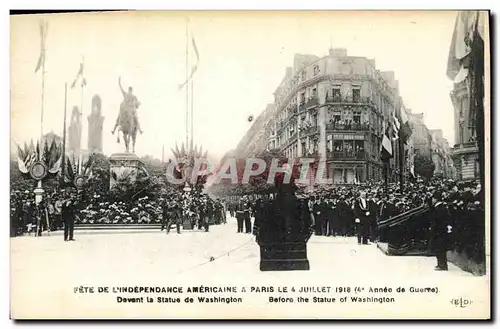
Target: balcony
pixel 350 155
pixel 348 100
pixel 313 101
pixel 309 130
pixel 350 126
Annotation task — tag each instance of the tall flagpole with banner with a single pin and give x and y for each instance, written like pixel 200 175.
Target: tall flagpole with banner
pixel 83 82
pixel 185 84
pixel 41 65
pixel 63 169
pixel 187 78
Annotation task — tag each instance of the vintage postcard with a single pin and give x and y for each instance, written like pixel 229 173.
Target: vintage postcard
pixel 250 165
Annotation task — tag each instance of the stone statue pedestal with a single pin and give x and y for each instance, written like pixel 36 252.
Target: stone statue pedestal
pixel 284 227
pixel 124 167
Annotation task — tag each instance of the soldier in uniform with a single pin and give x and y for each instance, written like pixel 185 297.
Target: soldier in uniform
pixel 440 230
pixel 174 214
pixel 247 219
pixel 165 213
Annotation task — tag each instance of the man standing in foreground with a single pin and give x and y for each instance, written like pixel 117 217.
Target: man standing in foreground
pixel 362 217
pixel 68 212
pixel 440 231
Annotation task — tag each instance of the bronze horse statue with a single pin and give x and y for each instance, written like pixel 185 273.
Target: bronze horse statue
pixel 127 119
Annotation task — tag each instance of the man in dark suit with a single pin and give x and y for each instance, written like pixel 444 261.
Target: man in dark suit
pixel 440 231
pixel 174 215
pixel 68 211
pixel 362 217
pixel 240 214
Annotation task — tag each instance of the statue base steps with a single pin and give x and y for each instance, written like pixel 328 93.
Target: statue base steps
pixel 285 256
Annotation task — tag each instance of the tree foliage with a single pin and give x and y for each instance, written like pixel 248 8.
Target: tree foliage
pixel 424 166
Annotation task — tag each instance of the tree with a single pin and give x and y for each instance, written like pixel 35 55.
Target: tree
pixel 424 166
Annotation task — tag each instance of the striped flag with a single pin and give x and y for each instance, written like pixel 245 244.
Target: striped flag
pixel 43 37
pixel 79 77
pixel 386 147
pixel 195 67
pixel 395 128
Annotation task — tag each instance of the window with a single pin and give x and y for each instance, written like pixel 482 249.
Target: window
pixel 314 93
pixel 302 97
pixel 356 95
pixel 356 118
pixel 315 120
pixel 336 94
pixel 316 70
pixel 359 146
pixel 329 143
pixel 303 74
pixel 338 146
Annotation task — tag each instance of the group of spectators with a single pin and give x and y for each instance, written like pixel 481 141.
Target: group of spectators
pixel 90 210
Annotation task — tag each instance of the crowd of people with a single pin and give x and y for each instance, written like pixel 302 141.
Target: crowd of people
pixel 63 208
pixel 350 210
pixel 358 210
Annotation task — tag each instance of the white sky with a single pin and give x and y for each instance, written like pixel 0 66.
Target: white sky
pixel 243 59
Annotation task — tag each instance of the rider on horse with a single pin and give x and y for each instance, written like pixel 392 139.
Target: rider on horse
pixel 129 102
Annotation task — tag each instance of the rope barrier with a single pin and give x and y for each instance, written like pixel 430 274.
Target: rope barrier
pixel 226 253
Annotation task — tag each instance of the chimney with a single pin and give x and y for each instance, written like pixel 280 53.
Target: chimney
pixel 338 52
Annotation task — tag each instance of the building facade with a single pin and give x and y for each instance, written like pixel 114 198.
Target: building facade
pixel 465 152
pixel 441 155
pixel 421 135
pixel 334 108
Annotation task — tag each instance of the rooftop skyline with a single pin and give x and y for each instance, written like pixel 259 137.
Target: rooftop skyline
pixel 240 67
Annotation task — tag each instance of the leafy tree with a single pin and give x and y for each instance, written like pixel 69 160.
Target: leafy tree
pixel 424 166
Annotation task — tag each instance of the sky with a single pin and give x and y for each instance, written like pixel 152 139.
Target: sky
pixel 243 57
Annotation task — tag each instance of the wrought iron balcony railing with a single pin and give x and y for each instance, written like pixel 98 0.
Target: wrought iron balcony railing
pixel 348 99
pixel 347 126
pixel 358 155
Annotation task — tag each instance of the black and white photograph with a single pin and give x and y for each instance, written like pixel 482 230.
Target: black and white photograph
pixel 250 165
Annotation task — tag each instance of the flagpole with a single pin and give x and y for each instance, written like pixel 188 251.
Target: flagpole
pixel 43 96
pixel 187 86
pixel 192 113
pixel 81 108
pixel 64 131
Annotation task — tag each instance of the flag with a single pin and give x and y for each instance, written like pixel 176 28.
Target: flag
pixel 195 67
pixel 404 125
pixel 461 41
pixel 79 76
pixel 43 37
pixel 386 147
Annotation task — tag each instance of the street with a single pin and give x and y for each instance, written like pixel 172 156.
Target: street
pixel 46 270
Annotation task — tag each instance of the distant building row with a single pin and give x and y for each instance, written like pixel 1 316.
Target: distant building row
pixel 336 107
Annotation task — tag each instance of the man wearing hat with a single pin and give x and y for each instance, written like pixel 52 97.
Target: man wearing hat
pixel 440 230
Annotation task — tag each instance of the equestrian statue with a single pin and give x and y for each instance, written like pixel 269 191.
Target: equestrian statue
pixel 128 121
